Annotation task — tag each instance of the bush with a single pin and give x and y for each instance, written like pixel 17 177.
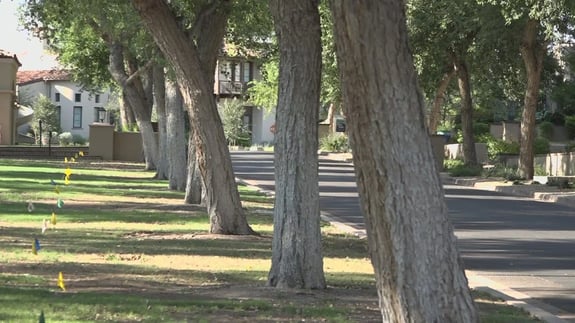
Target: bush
pixel 508 173
pixel 570 126
pixel 556 118
pixel 495 147
pixel 78 140
pixel 47 112
pixel 65 139
pixel 541 146
pixel 232 113
pixel 480 129
pixel 457 168
pixel 546 129
pixel 335 142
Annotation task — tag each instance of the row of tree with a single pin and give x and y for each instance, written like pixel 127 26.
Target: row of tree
pixel 154 49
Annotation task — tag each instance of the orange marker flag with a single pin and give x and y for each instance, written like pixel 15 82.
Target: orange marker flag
pixel 61 281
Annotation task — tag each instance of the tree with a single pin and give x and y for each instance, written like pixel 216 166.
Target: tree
pixel 296 248
pixel 443 34
pixel 232 112
pixel 419 274
pixel 101 41
pixel 176 137
pixel 193 55
pixel 541 22
pixel 45 112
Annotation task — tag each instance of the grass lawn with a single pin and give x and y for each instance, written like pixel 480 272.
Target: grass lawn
pixel 129 250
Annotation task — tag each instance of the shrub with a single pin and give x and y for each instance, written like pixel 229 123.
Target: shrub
pixel 334 142
pixel 65 139
pixel 570 126
pixel 495 147
pixel 457 168
pixel 541 146
pixel 46 111
pixel 480 128
pixel 78 140
pixel 557 118
pixel 508 173
pixel 546 129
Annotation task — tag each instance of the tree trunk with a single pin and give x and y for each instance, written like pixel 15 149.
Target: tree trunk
pixel 297 260
pixel 533 53
pixel 141 106
pixel 176 137
pixel 330 116
pixel 163 161
pixel 127 118
pixel 222 197
pixel 419 275
pixel 435 113
pixel 463 80
pixel 194 191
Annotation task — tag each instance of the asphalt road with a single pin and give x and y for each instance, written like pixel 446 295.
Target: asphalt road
pixel 523 244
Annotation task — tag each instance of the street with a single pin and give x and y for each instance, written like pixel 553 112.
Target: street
pixel 526 245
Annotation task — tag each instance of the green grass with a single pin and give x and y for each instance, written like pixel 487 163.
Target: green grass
pixel 131 251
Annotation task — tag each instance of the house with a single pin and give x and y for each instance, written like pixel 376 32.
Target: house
pixel 77 108
pixel 9 65
pixel 232 77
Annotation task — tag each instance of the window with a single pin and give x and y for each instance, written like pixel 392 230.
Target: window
pixel 247 72
pixel 236 73
pixel 97 98
pixel 57 97
pixel 77 117
pixel 78 97
pixel 59 115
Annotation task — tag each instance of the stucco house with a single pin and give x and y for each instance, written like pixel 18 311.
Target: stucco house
pixel 77 108
pixel 9 65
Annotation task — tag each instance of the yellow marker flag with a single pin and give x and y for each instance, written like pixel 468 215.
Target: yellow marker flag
pixel 65 160
pixel 81 153
pixel 34 249
pixel 61 281
pixel 68 171
pixel 72 159
pixel 67 180
pixel 53 218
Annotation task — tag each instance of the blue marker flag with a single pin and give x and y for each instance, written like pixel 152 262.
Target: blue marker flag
pixel 37 244
pixel 52 182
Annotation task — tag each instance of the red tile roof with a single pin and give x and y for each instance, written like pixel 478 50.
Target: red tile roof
pixel 5 54
pixel 27 77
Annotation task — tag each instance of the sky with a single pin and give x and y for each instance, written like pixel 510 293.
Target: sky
pixel 14 39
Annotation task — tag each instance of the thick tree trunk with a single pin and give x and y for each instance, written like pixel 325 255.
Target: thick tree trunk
pixel 297 260
pixel 533 53
pixel 136 95
pixel 222 197
pixel 194 191
pixel 419 275
pixel 463 80
pixel 435 113
pixel 163 161
pixel 176 137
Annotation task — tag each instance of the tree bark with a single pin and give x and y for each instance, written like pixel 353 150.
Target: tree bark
pixel 176 137
pixel 163 161
pixel 463 80
pixel 222 197
pixel 435 113
pixel 141 106
pixel 126 113
pixel 419 275
pixel 296 248
pixel 194 186
pixel 532 52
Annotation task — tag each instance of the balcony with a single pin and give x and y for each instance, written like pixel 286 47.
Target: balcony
pixel 230 87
